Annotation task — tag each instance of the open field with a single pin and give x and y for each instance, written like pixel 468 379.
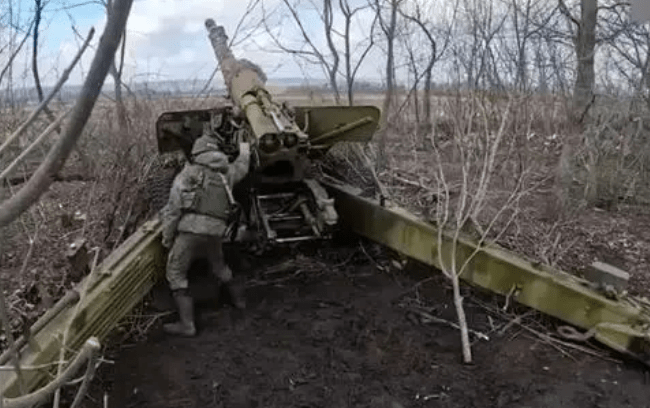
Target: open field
pixel 339 331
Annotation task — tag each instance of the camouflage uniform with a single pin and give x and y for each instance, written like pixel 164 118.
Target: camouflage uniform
pixel 195 219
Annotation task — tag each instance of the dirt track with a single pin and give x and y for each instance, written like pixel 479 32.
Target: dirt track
pixel 341 336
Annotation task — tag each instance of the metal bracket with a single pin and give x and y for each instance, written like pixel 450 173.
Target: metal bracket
pixel 622 324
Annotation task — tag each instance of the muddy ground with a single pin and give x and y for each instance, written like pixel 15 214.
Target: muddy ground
pixel 336 329
pixel 346 331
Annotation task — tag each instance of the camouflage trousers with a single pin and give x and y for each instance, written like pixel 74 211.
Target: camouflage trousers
pixel 187 247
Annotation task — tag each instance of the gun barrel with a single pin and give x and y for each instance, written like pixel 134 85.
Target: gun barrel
pixel 241 76
pixel 219 41
pixel 279 142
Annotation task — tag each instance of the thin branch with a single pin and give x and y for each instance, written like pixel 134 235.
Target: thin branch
pixel 87 352
pixel 565 10
pixel 87 378
pixel 33 145
pixel 47 100
pixel 37 20
pixel 250 6
pixel 15 53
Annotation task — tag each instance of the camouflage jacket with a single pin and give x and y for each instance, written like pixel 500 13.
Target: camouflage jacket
pixel 172 215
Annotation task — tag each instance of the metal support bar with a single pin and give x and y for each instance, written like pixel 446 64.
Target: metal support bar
pixel 122 280
pixel 128 274
pixel 622 324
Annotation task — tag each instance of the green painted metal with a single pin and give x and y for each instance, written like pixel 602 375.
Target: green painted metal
pixel 123 279
pixel 622 324
pixel 114 288
pixel 328 125
pixel 315 129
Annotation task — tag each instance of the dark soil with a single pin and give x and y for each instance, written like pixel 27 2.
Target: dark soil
pixel 325 335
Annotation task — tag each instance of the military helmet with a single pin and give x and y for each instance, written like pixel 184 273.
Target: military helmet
pixel 205 144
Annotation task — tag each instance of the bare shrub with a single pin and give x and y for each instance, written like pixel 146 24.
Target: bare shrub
pixel 469 181
pixel 612 164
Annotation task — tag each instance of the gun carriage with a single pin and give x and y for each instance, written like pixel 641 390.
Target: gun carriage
pixel 283 201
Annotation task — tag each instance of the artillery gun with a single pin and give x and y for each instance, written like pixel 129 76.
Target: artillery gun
pixel 283 201
pixel 284 144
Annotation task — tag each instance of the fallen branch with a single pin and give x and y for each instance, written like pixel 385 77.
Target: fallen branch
pixel 70 297
pixel 67 178
pixel 548 339
pixel 425 318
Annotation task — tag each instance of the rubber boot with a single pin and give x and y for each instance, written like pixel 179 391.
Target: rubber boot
pixel 184 327
pixel 236 293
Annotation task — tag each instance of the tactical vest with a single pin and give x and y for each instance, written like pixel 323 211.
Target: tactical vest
pixel 209 197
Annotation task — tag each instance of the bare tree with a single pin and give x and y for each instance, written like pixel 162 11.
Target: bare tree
pixel 115 71
pixel 427 27
pixel 337 20
pixel 387 12
pixel 628 47
pixel 14 52
pixel 38 10
pixel 463 199
pixel 350 70
pixel 308 49
pixel 53 162
pixel 585 49
pixel 480 23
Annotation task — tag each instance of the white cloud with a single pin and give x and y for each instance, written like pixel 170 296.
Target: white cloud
pixel 167 39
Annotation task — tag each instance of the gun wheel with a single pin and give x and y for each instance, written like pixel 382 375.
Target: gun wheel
pixel 157 187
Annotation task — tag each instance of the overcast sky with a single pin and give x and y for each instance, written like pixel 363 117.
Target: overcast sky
pixel 166 39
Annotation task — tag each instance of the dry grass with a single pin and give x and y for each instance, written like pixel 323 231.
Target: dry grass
pixel 613 228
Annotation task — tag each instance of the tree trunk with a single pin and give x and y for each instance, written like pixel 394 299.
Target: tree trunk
pixel 117 81
pixel 348 63
pixel 462 320
pixel 328 15
pixel 390 83
pixel 37 20
pixel 585 44
pixel 119 102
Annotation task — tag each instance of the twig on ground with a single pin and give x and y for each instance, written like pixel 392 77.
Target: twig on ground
pixel 512 292
pixel 428 318
pixel 363 249
pixel 546 338
pixel 517 320
pixel 256 283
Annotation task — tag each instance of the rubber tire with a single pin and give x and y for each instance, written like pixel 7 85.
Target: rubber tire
pixel 158 186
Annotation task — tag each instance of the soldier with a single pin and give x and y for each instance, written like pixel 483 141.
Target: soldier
pixel 195 221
